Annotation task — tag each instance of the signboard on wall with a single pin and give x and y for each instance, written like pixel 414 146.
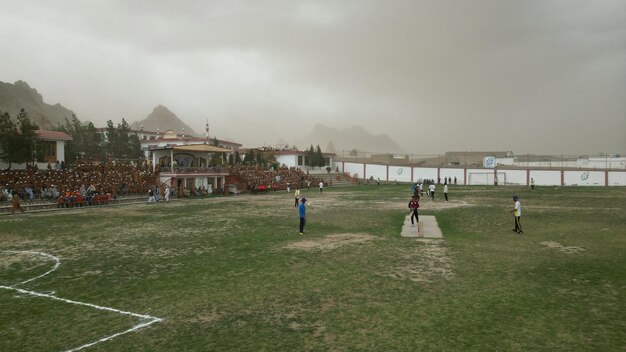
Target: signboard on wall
pixel 489 162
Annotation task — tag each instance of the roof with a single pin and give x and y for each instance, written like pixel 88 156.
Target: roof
pixel 54 135
pixel 201 148
pixel 294 152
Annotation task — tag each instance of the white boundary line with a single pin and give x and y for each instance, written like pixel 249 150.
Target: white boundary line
pixel 151 319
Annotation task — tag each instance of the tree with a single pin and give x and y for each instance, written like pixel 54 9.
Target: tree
pixel 17 141
pixel 249 159
pixel 121 142
pixel 86 141
pixel 26 139
pixel 8 134
pixel 259 157
pixel 320 160
pixel 111 139
pixel 310 155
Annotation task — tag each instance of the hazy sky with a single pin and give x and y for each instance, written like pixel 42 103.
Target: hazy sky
pixel 529 76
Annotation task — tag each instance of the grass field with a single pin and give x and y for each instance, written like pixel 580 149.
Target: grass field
pixel 233 274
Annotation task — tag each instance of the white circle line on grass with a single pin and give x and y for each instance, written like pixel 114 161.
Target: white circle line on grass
pixel 56 265
pixel 151 319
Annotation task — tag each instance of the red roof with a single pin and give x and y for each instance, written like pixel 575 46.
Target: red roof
pixel 54 135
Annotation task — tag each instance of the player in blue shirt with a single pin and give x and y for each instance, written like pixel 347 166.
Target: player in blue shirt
pixel 302 212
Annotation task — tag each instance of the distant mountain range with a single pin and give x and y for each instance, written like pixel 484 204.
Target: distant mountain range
pixel 348 139
pixel 162 118
pixel 14 97
pixel 17 96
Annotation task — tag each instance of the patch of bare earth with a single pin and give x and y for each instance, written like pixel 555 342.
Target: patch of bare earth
pixel 26 260
pixel 331 242
pixel 561 248
pixel 425 261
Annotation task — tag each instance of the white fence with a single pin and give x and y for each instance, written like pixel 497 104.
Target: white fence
pixel 476 176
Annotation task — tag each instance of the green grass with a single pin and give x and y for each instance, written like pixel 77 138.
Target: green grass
pixel 219 273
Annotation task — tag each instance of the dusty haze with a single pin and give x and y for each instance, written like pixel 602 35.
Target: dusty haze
pixel 528 76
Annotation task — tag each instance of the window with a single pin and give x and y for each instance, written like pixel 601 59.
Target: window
pixel 299 160
pixel 49 150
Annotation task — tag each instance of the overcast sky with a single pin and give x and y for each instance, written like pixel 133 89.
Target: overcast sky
pixel 528 76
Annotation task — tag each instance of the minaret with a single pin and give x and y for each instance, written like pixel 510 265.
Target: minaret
pixel 206 134
pixel 183 132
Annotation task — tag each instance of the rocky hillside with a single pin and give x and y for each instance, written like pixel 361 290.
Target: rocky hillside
pixel 347 139
pixel 14 97
pixel 162 118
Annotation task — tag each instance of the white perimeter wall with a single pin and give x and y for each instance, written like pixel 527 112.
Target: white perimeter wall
pixel 617 178
pixel 546 178
pixel 421 173
pixel 478 180
pixel 354 169
pixel 376 171
pixel 452 173
pixel 584 178
pixel 399 173
pixel 513 177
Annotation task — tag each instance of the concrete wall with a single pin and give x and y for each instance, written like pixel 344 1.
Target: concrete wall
pixel 376 171
pixel 546 178
pixel 584 178
pixel 421 173
pixel 60 151
pixel 452 173
pixel 617 178
pixel 400 173
pixel 353 169
pixel 287 160
pixel 515 177
pixel 484 176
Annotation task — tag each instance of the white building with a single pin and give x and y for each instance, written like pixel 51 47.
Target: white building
pixel 299 159
pixel 53 149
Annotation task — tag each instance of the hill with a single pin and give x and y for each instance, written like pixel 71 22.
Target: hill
pixel 162 118
pixel 14 97
pixel 355 137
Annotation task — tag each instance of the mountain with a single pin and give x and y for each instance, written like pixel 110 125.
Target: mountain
pixel 162 118
pixel 14 97
pixel 348 139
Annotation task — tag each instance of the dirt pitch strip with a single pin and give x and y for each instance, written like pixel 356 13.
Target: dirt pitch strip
pixel 428 229
pixel 147 319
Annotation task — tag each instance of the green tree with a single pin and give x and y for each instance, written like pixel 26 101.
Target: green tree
pixel 121 142
pixel 249 159
pixel 8 134
pixel 111 139
pixel 86 141
pixel 26 139
pixel 320 160
pixel 310 156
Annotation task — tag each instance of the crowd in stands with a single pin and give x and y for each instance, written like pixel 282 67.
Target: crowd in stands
pixel 257 179
pixel 86 182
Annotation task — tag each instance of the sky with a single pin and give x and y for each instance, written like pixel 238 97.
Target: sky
pixel 531 76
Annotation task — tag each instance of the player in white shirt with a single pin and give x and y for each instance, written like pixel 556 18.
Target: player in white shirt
pixel 431 189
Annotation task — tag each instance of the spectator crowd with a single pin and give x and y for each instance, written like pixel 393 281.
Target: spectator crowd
pixel 85 182
pixel 257 179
